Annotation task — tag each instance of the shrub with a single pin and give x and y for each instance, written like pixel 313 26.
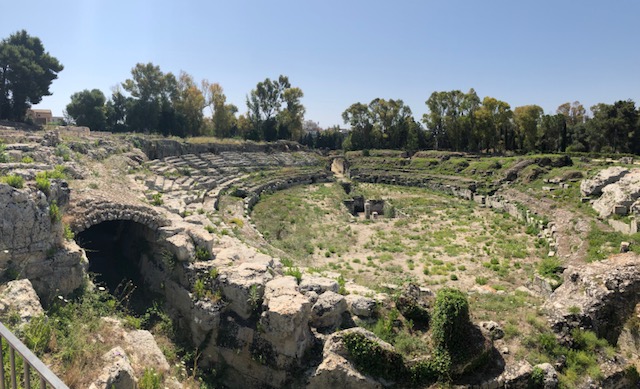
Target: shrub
pixel 54 212
pixel 450 320
pixel 199 288
pixel 68 234
pixel 43 184
pixel 295 272
pixel 27 159
pixel 371 358
pixel 549 267
pixel 202 254
pixel 156 199
pixel 150 380
pixel 3 156
pixel 14 181
pixel 63 151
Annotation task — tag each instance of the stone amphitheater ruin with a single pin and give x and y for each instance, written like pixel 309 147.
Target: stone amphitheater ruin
pixel 156 202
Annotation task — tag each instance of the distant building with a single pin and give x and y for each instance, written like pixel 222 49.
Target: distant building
pixel 40 116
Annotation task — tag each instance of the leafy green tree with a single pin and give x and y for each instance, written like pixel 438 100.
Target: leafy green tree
pixel 87 108
pixel 223 115
pixel 552 133
pixel 188 104
pixel 275 111
pixel 151 105
pixel 116 111
pixel 614 127
pixel 26 72
pixel 362 134
pixel 435 119
pixel 526 119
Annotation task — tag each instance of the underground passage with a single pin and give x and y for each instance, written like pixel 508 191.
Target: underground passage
pixel 114 250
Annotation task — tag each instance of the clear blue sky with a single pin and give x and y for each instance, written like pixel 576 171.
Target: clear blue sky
pixel 341 52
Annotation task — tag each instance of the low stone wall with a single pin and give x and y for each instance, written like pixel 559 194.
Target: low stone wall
pixel 162 148
pixel 280 184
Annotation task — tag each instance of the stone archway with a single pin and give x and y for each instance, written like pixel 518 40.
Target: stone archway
pixel 117 251
pixel 87 213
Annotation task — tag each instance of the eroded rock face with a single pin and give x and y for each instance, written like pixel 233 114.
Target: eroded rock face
pixel 593 186
pixel 285 324
pixel 25 225
pixel 600 296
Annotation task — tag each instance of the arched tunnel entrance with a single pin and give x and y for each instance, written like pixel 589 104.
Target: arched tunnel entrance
pixel 115 250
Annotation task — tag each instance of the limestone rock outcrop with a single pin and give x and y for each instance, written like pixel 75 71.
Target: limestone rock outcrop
pixel 599 296
pixel 618 197
pixel 328 309
pixel 117 373
pixel 336 370
pixel 593 186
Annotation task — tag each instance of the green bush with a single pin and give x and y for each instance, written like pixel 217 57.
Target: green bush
pixel 68 233
pixel 549 267
pixel 156 199
pixel 14 181
pixel 63 151
pixel 43 184
pixel 202 254
pixel 150 380
pixel 295 272
pixel 371 358
pixel 3 156
pixel 450 320
pixel 27 159
pixel 54 212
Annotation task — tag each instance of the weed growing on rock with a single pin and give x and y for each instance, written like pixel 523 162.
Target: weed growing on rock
pixel 54 212
pixel 14 180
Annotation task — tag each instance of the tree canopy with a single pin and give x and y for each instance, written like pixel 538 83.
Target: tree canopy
pixel 26 72
pixel 87 108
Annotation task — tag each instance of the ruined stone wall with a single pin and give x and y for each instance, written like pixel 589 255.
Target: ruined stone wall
pixel 162 148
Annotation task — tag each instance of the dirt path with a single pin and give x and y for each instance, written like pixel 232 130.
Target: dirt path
pixel 571 227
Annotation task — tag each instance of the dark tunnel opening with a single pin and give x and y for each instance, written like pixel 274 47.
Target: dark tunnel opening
pixel 115 250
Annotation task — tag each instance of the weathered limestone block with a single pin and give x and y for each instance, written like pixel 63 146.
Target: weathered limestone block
pixel 593 186
pixel 20 297
pixel 201 238
pixel 318 284
pixel 492 329
pixel 240 282
pixel 280 286
pixel 182 247
pixel 117 373
pixel 327 311
pixel 360 306
pixel 285 323
pixel 516 376
pixel 144 351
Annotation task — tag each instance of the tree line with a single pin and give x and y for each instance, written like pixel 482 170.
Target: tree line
pixel 157 102
pixel 463 122
pixel 152 101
